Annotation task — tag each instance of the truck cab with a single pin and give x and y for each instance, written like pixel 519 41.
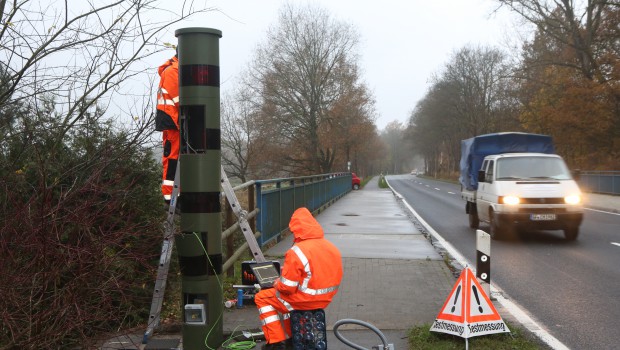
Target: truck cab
pixel 526 190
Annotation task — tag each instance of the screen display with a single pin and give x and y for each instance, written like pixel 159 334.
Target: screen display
pixel 265 272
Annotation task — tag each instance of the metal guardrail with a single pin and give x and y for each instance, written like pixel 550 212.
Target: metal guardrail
pixel 604 182
pixel 277 199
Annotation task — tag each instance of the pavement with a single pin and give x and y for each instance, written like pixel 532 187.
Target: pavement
pixel 395 277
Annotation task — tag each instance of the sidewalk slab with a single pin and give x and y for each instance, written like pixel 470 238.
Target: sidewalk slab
pixel 393 278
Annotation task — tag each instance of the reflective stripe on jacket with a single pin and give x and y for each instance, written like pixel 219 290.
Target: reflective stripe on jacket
pixel 312 268
pixel 167 117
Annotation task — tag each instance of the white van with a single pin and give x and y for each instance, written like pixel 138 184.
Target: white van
pixel 525 190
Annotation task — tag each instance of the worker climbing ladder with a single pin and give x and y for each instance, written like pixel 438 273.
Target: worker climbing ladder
pixel 168 243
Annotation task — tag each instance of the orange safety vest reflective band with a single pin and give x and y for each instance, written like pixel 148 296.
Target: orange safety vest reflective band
pixel 167 117
pixel 162 93
pixel 303 287
pixel 310 277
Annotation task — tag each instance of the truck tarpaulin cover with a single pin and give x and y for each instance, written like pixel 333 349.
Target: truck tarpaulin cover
pixel 475 149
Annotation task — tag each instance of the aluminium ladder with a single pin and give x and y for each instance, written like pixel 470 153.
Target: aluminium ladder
pixel 241 217
pixel 164 260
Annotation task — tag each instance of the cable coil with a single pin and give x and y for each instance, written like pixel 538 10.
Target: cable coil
pixel 361 323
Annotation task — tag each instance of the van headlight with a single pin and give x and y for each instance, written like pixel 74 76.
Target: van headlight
pixel 510 200
pixel 574 199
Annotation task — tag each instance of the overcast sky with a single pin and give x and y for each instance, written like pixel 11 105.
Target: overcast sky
pixel 403 42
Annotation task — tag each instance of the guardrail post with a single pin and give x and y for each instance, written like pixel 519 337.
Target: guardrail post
pixel 261 212
pixel 251 207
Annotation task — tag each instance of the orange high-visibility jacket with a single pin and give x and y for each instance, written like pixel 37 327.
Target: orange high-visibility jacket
pixel 312 268
pixel 167 117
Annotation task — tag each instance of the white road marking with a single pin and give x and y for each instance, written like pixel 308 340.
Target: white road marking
pixel 602 211
pixel 437 189
pixel 614 243
pixel 451 192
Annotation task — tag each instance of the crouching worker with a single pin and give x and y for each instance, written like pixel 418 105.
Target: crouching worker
pixel 311 274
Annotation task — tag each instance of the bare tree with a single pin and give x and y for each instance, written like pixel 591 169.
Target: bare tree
pixel 572 23
pixel 80 208
pixel 476 75
pixel 468 98
pixel 392 135
pixel 240 130
pixel 298 72
pixel 80 54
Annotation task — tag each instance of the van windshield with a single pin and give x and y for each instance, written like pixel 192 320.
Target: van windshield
pixel 532 168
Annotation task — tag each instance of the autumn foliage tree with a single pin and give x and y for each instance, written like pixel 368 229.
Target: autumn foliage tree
pixel 566 84
pixel 569 75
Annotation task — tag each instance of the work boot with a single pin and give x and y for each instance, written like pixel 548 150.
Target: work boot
pixel 275 346
pixel 289 344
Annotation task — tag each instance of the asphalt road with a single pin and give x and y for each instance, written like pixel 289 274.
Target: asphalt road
pixel 571 288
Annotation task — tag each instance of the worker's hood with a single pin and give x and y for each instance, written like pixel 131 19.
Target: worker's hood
pixel 173 61
pixel 304 226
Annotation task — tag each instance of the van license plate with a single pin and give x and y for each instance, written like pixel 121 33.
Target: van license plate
pixel 542 217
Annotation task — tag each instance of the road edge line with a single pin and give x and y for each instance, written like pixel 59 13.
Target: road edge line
pixel 517 312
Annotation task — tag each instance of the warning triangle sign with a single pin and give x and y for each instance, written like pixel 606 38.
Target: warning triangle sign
pixel 454 307
pixel 468 311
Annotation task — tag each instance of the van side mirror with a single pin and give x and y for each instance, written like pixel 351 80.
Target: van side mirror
pixel 481 176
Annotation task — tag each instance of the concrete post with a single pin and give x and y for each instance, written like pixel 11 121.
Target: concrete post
pixel 199 246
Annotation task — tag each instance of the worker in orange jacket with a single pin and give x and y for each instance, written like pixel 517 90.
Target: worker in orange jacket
pixel 310 278
pixel 167 121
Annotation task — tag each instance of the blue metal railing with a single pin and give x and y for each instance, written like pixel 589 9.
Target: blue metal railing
pixel 606 182
pixel 277 199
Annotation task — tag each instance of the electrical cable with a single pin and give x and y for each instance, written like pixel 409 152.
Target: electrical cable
pixel 361 323
pixel 237 345
pixel 218 281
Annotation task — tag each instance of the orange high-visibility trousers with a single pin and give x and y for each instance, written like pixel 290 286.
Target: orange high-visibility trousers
pixel 270 306
pixel 169 159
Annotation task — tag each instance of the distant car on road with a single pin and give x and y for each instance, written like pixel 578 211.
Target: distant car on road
pixel 356 181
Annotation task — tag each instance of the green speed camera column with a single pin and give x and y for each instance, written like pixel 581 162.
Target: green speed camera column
pixel 199 99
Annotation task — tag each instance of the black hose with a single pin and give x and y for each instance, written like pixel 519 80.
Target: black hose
pixel 361 323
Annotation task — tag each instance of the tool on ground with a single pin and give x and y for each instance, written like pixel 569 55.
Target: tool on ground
pixel 384 342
